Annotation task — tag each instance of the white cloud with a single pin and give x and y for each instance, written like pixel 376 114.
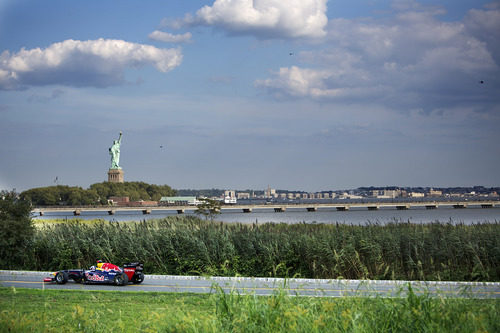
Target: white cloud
pixel 319 84
pixel 170 38
pixel 97 63
pixel 265 18
pixel 412 60
pixel 485 24
pixel 300 82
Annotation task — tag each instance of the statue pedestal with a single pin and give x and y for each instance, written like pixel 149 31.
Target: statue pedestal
pixel 115 176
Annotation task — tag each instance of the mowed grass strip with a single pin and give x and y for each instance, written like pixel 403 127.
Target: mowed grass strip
pixel 32 310
pixel 28 310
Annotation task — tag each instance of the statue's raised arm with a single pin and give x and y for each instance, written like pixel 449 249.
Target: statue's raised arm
pixel 114 151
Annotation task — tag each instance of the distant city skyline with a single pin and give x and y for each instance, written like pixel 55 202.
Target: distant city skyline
pixel 309 94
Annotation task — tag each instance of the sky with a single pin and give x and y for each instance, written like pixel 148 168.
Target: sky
pixel 304 95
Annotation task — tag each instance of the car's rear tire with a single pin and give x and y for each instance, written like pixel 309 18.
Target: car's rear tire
pixel 138 278
pixel 61 277
pixel 121 279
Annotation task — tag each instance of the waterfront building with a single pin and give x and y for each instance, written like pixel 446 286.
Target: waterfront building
pixel 392 193
pixel 270 193
pixel 243 195
pixel 435 193
pixel 118 201
pixel 230 197
pixel 230 193
pixel 125 202
pixel 143 203
pixel 178 201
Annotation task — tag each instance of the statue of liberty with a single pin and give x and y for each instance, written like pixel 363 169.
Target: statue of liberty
pixel 114 151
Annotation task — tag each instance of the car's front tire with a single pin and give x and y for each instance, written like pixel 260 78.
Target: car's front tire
pixel 61 277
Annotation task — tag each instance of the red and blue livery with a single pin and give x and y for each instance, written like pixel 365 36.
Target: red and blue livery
pixel 102 273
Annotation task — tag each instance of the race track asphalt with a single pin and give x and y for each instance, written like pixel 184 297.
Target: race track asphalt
pixel 268 286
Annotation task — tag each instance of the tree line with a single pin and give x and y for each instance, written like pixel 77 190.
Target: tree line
pixel 96 194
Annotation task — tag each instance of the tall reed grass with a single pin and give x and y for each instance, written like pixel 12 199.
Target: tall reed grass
pixel 188 245
pixel 413 313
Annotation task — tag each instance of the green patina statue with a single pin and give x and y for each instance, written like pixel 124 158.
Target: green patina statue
pixel 114 151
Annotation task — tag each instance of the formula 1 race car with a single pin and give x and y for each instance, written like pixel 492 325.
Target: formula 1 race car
pixel 104 273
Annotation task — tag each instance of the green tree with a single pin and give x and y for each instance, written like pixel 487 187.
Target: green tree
pixel 90 197
pixel 96 194
pixel 60 195
pixel 208 208
pixel 134 190
pixel 16 231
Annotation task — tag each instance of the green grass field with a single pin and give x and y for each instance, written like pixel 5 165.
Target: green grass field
pixel 28 310
pixel 188 245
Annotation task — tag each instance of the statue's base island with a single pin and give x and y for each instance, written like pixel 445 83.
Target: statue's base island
pixel 115 176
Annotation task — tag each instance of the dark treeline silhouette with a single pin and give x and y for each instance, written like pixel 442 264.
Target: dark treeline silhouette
pixel 96 194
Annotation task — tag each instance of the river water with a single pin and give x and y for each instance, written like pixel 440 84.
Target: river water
pixel 360 216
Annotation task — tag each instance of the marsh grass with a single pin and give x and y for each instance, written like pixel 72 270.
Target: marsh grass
pixel 65 220
pixel 27 310
pixel 41 224
pixel 410 313
pixel 190 246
